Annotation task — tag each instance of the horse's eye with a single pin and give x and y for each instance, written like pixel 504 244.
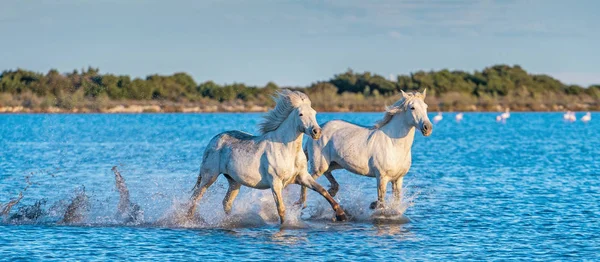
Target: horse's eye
pixel 301 114
pixel 412 108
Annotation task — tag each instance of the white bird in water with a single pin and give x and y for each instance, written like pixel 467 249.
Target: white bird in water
pixel 438 118
pixel 459 117
pixel 569 116
pixel 587 117
pixel 500 119
pixel 506 114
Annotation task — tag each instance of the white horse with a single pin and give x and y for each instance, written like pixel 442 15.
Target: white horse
pixel 382 151
pixel 272 160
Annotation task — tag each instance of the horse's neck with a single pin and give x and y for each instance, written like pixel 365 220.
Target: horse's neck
pixel 401 134
pixel 287 134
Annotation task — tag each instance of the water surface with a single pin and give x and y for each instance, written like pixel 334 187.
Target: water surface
pixel 478 189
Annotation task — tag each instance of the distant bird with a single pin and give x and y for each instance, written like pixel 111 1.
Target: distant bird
pixel 587 117
pixel 569 116
pixel 438 118
pixel 459 117
pixel 499 118
pixel 506 114
pixel 572 118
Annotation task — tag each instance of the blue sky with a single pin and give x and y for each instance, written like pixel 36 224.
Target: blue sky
pixel 299 42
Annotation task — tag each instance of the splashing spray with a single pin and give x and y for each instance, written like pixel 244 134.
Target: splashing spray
pixel 6 208
pixel 77 209
pixel 127 211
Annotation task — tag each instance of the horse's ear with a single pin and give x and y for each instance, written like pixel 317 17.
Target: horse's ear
pixel 425 93
pixel 403 94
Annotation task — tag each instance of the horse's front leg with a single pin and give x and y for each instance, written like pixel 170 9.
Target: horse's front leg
pixel 306 180
pixel 277 188
pixel 381 190
pixel 397 190
pixel 302 200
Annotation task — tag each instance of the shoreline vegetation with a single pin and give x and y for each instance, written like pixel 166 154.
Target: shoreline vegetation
pixel 491 89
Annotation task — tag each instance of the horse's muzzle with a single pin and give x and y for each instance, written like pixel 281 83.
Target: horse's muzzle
pixel 426 128
pixel 315 133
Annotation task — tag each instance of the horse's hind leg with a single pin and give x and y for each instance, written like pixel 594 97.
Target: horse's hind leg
pixel 232 192
pixel 306 180
pixel 202 184
pixel 335 187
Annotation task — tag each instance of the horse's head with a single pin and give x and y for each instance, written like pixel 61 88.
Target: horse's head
pixel 416 112
pixel 306 121
pixel 294 108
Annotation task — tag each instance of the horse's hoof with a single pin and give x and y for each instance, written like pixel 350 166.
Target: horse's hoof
pixel 341 217
pixel 373 205
pixel 376 205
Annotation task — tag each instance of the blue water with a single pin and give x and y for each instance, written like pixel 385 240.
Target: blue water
pixel 528 188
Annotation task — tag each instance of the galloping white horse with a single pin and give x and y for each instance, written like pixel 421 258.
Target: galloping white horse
pixel 272 160
pixel 381 151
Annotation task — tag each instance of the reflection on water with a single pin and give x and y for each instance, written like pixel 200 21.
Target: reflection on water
pixel 289 238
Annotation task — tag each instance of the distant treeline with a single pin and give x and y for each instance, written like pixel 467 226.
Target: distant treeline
pixel 499 85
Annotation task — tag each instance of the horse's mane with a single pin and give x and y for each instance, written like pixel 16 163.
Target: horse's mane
pixel 399 106
pixel 285 102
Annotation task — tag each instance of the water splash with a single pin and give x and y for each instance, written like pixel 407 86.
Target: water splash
pixel 253 208
pixel 357 204
pixel 77 209
pixel 6 208
pixel 128 212
pixel 29 213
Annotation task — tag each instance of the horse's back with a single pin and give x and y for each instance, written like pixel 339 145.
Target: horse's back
pixel 237 154
pixel 343 132
pixel 339 143
pixel 234 136
pixel 221 145
pixel 330 127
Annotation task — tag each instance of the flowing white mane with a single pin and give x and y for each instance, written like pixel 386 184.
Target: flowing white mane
pixel 285 102
pixel 399 106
